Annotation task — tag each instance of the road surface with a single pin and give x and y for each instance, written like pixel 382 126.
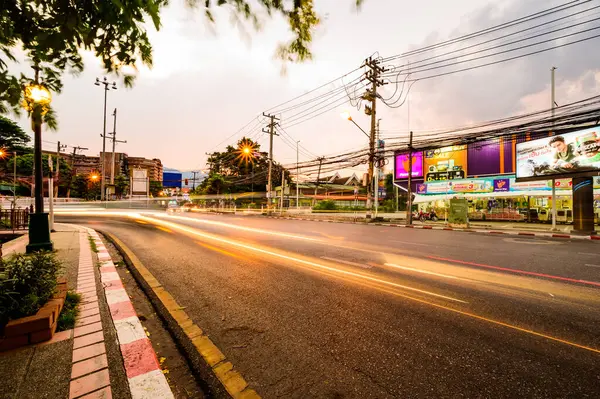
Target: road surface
pixel 321 310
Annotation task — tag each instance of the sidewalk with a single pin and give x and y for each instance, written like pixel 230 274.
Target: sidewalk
pixel 93 360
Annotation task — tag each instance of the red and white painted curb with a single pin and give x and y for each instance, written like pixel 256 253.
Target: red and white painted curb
pixel 144 375
pixel 468 230
pixel 89 370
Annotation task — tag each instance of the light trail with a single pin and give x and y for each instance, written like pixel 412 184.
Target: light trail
pixel 297 260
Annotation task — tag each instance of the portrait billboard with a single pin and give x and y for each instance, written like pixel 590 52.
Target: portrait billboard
pixel 446 163
pixel 402 166
pixel 571 153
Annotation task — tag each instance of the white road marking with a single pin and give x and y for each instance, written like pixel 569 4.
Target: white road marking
pixel 587 253
pixel 587 264
pixel 421 271
pixel 411 243
pixel 347 262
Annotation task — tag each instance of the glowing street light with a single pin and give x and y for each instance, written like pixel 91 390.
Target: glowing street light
pixel 94 177
pixel 38 94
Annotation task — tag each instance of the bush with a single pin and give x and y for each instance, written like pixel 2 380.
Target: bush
pixel 27 282
pixel 325 206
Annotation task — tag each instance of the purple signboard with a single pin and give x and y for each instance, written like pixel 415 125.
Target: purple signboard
pixel 402 165
pixel 485 158
pixel 501 185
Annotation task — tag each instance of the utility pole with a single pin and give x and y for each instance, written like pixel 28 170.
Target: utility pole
pixel 114 143
pixel 73 156
pixel 553 180
pixel 409 200
pixel 297 174
pixel 194 180
pixel 320 159
pixel 373 76
pixel 376 179
pixel 271 132
pixel 282 190
pixel 59 149
pixel 106 84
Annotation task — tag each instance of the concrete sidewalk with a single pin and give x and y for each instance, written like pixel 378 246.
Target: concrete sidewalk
pixel 87 361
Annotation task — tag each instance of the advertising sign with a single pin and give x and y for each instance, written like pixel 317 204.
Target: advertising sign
pixel 402 165
pixel 501 185
pixel 569 153
pixel 491 185
pixel 446 163
pixel 139 181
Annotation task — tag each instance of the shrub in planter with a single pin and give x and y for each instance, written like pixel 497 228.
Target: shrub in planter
pixel 27 282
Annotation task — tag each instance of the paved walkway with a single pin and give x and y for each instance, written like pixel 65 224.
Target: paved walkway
pixel 106 355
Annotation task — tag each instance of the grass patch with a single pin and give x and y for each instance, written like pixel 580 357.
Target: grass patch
pixel 93 244
pixel 68 316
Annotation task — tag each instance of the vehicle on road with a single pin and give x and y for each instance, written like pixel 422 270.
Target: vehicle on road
pixel 173 207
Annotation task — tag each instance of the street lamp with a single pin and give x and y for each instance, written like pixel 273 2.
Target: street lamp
pixel 107 87
pixel 37 100
pixel 346 115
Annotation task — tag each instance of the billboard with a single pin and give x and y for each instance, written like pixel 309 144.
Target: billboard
pixel 446 163
pixel 139 181
pixel 490 157
pixel 172 179
pixel 491 185
pixel 566 154
pixel 402 166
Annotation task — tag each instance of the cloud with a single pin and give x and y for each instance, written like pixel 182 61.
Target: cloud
pixel 514 87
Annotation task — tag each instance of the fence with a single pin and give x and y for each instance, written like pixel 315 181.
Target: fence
pixel 14 219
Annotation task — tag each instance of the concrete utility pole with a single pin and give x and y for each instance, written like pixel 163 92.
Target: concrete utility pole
pixel 282 189
pixel 271 132
pixel 373 76
pixel 553 105
pixel 114 143
pixel 297 174
pixel 409 200
pixel 376 179
pixel 73 156
pixel 320 159
pixel 194 180
pixel 59 149
pixel 106 84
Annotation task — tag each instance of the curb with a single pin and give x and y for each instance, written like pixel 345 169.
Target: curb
pixel 467 230
pixel 144 374
pixel 213 371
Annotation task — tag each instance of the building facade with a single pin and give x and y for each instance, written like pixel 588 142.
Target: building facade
pixel 153 166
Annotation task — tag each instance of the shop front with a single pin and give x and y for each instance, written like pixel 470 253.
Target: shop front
pixel 501 198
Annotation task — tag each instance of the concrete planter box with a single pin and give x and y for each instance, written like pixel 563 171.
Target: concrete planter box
pixel 37 328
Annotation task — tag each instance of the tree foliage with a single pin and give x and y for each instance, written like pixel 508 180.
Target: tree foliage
pixel 234 171
pixel 12 137
pixel 52 34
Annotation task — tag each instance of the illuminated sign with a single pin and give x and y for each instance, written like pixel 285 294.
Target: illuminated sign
pixel 565 154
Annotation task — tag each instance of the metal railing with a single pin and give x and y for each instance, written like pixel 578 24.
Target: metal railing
pixel 14 219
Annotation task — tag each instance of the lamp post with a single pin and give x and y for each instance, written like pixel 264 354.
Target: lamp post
pixel 107 87
pixel 297 174
pixel 37 100
pixel 346 115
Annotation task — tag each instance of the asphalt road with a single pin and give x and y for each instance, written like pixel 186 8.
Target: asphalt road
pixel 317 310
